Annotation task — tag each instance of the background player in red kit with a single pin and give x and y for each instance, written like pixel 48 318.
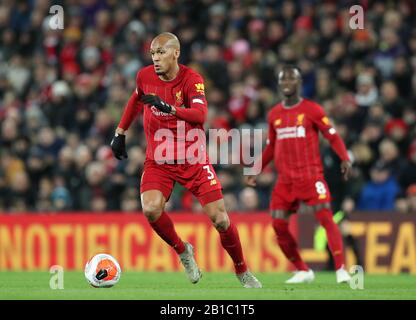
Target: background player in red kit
pixel 172 98
pixel 294 126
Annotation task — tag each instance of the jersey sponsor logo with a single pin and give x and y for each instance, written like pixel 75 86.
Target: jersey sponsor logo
pixel 157 112
pixel 301 133
pixel 291 132
pixel 213 182
pixel 200 88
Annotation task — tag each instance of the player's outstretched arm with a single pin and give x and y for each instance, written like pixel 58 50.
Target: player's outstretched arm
pixel 334 139
pixel 118 143
pixel 131 110
pixel 346 168
pixel 191 115
pixel 268 152
pixel 263 160
pixel 339 148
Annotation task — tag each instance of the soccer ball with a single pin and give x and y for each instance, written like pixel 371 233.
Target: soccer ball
pixel 102 271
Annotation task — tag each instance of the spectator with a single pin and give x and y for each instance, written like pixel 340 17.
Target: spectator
pixel 59 110
pixel 390 155
pixel 248 199
pixel 367 93
pixel 231 202
pixel 95 193
pixel 411 199
pixel 130 201
pixel 380 193
pixel 407 175
pixel 397 131
pixel 62 91
pixel 392 102
pixel 61 199
pixel 407 204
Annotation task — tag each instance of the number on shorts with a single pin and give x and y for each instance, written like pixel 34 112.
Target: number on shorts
pixel 320 187
pixel 210 173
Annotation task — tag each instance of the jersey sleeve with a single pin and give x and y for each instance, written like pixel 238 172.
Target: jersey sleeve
pixel 196 93
pixel 268 152
pixel 139 87
pixel 195 110
pixel 133 105
pixel 322 122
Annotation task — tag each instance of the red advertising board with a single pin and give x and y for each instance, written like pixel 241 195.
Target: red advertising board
pixel 36 242
pixel 387 242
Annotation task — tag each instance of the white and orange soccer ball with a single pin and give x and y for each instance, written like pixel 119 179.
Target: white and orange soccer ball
pixel 102 271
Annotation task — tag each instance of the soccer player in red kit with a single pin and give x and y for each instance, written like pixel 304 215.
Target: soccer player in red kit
pixel 172 99
pixel 293 143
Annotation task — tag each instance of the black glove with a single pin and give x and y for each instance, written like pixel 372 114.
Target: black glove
pixel 118 145
pixel 157 102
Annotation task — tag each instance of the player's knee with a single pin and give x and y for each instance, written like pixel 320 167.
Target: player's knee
pixel 152 210
pixel 326 222
pixel 325 218
pixel 221 221
pixel 218 215
pixel 280 214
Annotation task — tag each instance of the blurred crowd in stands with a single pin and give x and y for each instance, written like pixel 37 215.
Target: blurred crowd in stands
pixel 62 93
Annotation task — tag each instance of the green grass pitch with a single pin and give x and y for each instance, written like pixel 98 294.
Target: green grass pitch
pixel 213 286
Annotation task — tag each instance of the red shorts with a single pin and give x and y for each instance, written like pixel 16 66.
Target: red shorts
pixel 200 179
pixel 287 196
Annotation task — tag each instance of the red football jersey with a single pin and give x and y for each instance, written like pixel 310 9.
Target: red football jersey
pixel 294 140
pixel 186 90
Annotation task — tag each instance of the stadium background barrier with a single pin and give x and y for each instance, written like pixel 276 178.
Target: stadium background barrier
pixel 35 242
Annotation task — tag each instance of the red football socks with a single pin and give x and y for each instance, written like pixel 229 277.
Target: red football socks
pixel 231 243
pixel 165 229
pixel 333 234
pixel 288 244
